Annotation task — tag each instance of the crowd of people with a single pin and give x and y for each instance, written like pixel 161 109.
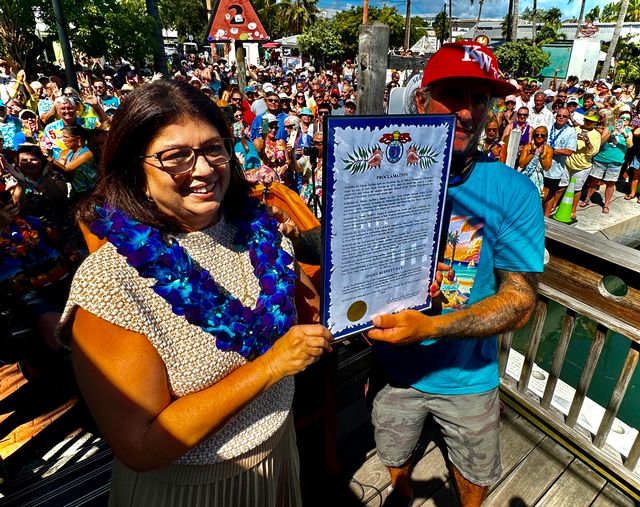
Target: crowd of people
pixel 183 325
pixel 588 131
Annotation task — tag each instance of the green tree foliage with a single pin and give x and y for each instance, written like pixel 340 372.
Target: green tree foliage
pixel 442 26
pixel 109 28
pixel 419 28
pixel 521 58
pixel 185 17
pixel 18 40
pixel 505 26
pixel 321 42
pixel 347 26
pixel 593 14
pixel 296 15
pixel 627 67
pixel 610 12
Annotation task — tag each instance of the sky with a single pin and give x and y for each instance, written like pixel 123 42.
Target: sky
pixel 464 8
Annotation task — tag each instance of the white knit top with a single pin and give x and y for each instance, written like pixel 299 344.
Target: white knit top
pixel 108 287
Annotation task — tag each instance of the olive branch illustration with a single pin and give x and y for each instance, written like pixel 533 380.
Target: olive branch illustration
pixel 362 159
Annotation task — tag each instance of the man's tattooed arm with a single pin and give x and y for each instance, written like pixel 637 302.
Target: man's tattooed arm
pixel 509 308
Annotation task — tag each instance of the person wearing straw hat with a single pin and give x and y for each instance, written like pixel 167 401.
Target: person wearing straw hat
pixel 446 363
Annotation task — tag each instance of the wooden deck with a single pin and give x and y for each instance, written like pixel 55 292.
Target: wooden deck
pixel 536 472
pixel 54 457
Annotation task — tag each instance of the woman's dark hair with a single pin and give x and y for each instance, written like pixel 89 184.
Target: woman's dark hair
pixel 32 149
pixel 122 179
pixel 76 131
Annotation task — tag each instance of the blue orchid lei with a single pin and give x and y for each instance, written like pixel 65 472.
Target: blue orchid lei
pixel 193 293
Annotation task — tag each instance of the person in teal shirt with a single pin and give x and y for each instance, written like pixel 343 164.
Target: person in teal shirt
pixel 446 363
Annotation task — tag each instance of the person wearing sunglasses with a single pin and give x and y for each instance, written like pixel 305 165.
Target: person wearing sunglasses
pixel 162 319
pixel 536 158
pixel 616 140
pixel 521 124
pixel 564 141
pixel 508 114
pixel 491 146
pixel 272 101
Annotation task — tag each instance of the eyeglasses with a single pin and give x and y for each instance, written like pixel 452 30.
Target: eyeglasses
pixel 239 117
pixel 273 126
pixel 317 143
pixel 491 130
pixel 272 101
pixel 541 136
pixel 625 118
pixel 562 116
pixel 181 160
pixel 323 113
pixel 561 96
pixel 236 98
pixel 300 96
pixel 523 115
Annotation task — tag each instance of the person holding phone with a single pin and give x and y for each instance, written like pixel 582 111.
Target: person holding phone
pixel 536 158
pixel 616 140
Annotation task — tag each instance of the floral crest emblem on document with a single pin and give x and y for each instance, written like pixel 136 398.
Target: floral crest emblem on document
pixel 364 158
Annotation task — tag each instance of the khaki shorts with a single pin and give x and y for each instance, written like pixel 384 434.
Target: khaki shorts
pixel 470 426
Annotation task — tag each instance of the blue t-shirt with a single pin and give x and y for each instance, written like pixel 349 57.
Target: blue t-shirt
pixel 495 221
pixel 564 138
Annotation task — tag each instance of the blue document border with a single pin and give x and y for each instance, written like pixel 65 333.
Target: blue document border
pixel 395 122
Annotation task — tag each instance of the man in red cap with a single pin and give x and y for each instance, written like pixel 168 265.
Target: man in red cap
pixel 446 363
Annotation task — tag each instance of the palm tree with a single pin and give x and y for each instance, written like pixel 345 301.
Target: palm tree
pixel 514 20
pixel 159 56
pixel 614 40
pixel 580 18
pixel 534 11
pixel 297 15
pixel 453 238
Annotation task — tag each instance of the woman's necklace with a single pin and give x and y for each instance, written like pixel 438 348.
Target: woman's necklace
pixel 193 293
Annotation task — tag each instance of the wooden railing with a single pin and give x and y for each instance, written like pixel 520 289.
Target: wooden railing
pixel 574 278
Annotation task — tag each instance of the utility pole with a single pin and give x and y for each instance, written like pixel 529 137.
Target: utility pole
pixel 407 26
pixel 450 22
pixel 61 24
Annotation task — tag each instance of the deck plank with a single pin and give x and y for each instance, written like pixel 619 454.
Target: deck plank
pixel 578 481
pixel 532 476
pixel 610 495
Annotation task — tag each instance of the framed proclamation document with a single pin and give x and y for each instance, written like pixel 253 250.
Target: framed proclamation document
pixel 384 188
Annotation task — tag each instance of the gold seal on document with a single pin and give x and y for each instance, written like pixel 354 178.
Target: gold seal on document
pixel 356 311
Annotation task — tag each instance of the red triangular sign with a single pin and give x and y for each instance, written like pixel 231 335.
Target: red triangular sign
pixel 235 20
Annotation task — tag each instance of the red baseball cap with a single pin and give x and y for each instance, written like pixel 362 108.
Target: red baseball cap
pixel 467 60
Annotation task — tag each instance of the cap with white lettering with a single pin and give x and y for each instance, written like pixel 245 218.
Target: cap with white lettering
pixel 466 60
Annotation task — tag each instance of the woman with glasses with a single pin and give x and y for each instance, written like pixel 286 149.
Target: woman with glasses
pixel 536 158
pixel 182 325
pixel 491 146
pixel 615 141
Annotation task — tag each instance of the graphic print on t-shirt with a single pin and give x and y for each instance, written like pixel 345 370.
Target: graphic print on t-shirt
pixel 464 242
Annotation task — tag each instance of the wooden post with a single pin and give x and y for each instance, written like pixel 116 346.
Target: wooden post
pixel 407 26
pixel 372 56
pixel 365 12
pixel 242 68
pixel 214 49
